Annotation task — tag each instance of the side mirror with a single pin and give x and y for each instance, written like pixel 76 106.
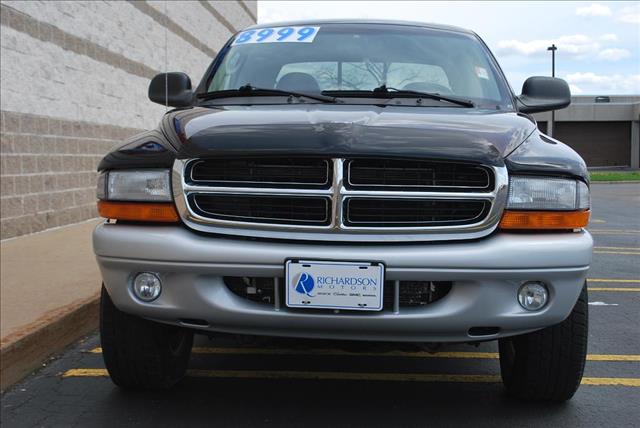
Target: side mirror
pixel 541 93
pixel 173 89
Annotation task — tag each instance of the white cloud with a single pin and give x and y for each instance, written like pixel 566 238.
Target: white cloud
pixel 595 9
pixel 610 37
pixel 609 83
pixel 614 54
pixel 575 89
pixel 585 77
pixel 630 14
pixel 574 45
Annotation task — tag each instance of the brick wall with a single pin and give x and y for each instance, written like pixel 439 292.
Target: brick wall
pixel 73 83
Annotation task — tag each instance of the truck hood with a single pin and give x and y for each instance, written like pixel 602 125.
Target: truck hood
pixel 347 131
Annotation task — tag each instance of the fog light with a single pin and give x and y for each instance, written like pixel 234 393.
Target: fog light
pixel 147 286
pixel 533 296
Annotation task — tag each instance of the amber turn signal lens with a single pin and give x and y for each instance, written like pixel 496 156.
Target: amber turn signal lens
pixel 138 211
pixel 540 220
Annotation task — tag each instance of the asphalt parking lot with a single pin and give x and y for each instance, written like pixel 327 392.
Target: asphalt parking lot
pixel 298 383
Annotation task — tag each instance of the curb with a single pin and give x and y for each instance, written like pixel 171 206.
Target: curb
pixel 23 351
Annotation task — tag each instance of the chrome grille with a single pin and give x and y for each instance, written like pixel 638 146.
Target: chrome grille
pixel 379 212
pixel 263 209
pixel 340 199
pixel 260 172
pixel 417 175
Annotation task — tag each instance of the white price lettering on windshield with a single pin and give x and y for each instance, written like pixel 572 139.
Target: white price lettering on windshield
pixel 277 35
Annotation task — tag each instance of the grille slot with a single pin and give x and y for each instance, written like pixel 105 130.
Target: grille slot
pixel 417 175
pixel 379 212
pixel 255 289
pixel 260 172
pixel 301 210
pixel 416 293
pixel 412 293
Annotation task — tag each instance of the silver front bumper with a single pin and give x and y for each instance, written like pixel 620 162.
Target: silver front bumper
pixel 486 274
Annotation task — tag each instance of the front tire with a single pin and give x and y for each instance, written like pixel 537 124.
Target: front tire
pixel 547 364
pixel 141 354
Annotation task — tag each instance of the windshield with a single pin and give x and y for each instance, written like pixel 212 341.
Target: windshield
pixel 361 57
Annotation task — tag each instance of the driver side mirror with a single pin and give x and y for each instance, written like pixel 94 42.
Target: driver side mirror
pixel 173 89
pixel 542 93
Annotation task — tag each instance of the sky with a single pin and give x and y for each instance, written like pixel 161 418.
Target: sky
pixel 598 43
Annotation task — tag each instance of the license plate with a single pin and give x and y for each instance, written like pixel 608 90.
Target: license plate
pixel 354 286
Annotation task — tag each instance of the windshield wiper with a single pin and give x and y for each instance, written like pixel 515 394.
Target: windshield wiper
pixel 252 91
pixel 431 95
pixel 387 92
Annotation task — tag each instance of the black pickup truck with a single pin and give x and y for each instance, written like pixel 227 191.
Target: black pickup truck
pixel 349 180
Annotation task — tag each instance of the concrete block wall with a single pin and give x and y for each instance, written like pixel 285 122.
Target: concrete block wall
pixel 73 83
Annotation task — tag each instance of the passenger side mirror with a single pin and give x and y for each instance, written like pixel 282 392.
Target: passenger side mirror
pixel 173 89
pixel 542 93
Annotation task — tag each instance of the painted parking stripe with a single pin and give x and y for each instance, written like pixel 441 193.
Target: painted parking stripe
pixel 617 248
pixel 85 373
pixel 607 357
pixel 615 289
pixel 618 280
pixel 388 377
pixel 614 231
pixel 408 354
pixel 625 253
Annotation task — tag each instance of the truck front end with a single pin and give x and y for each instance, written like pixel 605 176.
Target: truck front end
pixel 383 214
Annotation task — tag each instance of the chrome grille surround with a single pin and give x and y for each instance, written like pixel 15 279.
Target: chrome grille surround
pixel 338 230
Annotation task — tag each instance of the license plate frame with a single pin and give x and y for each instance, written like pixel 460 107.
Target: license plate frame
pixel 334 284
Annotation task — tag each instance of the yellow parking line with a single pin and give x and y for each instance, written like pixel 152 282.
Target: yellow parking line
pixel 613 280
pixel 617 248
pixel 289 374
pixel 614 230
pixel 85 373
pixel 609 357
pixel 319 375
pixel 335 352
pixel 407 354
pixel 628 253
pixel 611 381
pixel 631 289
pixel 615 233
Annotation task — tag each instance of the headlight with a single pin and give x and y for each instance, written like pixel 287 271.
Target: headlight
pixel 152 185
pixel 542 203
pixel 136 195
pixel 547 194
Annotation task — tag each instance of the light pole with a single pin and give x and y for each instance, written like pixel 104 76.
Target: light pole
pixel 551 124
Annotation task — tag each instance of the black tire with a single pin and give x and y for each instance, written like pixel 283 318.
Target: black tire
pixel 141 354
pixel 547 364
